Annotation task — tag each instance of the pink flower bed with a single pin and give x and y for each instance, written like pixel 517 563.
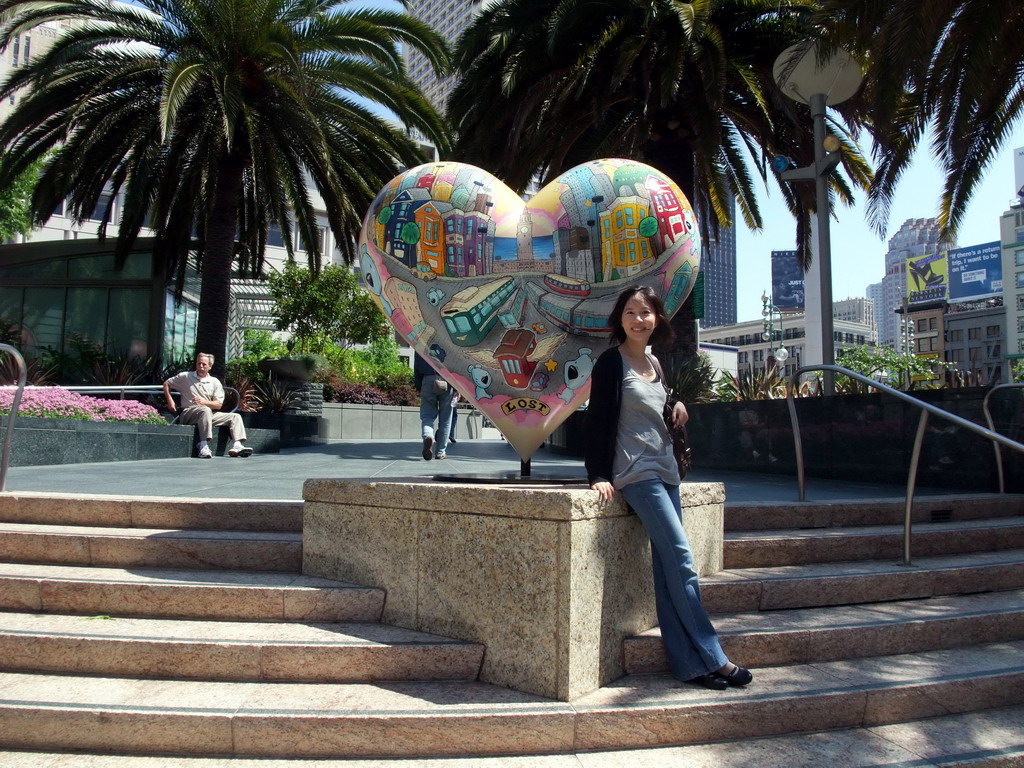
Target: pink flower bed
pixel 57 403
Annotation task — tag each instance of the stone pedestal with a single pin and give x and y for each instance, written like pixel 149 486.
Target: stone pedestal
pixel 549 578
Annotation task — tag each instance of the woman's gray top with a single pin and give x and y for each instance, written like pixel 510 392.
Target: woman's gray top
pixel 643 450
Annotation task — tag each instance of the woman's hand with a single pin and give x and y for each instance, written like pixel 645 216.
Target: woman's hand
pixel 604 488
pixel 679 415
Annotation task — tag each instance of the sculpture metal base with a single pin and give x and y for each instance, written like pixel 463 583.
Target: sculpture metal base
pixel 512 478
pixel 525 476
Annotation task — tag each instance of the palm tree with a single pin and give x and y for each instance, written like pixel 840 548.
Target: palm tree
pixel 211 116
pixel 684 86
pixel 955 67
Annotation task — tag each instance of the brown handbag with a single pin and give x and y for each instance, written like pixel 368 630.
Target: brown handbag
pixel 680 440
pixel 680 444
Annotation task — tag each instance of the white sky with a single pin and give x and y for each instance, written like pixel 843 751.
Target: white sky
pixel 858 255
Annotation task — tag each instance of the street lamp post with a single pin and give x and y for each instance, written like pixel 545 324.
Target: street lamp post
pixel 768 313
pixel 802 77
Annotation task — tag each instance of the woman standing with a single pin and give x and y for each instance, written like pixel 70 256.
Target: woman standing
pixel 628 449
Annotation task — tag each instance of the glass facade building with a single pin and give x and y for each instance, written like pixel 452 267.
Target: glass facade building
pixel 59 296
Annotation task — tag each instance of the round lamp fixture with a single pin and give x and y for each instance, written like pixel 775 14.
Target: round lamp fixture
pixel 831 143
pixel 782 354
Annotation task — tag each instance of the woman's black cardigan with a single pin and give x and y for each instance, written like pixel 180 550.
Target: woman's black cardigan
pixel 603 416
pixel 602 422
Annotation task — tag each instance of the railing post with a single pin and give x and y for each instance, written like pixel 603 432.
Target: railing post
pixel 915 458
pixel 5 455
pixel 798 445
pixel 992 427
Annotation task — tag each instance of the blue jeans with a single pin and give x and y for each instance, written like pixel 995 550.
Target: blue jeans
pixel 434 407
pixel 691 643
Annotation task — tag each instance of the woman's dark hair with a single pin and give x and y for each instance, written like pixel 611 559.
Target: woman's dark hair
pixel 663 333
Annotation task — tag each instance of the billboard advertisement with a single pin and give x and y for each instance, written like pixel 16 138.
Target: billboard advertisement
pixel 787 280
pixel 975 272
pixel 926 278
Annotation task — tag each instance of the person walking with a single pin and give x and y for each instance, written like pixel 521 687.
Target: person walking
pixel 629 450
pixel 436 397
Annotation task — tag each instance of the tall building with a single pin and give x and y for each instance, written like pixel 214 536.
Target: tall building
pixel 754 351
pixel 1011 236
pixel 718 263
pixel 917 237
pixel 874 294
pixel 449 18
pixel 21 50
pixel 857 311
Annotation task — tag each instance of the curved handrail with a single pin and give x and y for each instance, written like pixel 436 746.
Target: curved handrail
pixel 5 456
pixel 926 409
pixel 992 426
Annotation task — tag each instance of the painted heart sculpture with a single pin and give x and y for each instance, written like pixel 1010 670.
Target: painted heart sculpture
pixel 509 300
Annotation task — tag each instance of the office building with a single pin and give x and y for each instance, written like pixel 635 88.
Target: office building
pixel 754 351
pixel 450 19
pixel 22 49
pixel 917 237
pixel 857 311
pixel 718 263
pixel 1011 237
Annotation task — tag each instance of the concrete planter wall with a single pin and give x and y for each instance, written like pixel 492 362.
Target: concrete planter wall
pixel 67 441
pixel 850 437
pixel 352 421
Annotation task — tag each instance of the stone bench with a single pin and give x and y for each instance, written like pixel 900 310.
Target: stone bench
pixel 550 578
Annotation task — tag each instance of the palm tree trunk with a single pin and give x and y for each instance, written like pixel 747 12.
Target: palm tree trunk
pixel 218 256
pixel 675 160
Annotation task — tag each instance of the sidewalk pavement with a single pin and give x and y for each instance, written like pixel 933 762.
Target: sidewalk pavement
pixel 281 475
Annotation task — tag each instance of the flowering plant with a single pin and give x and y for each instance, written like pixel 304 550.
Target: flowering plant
pixel 57 403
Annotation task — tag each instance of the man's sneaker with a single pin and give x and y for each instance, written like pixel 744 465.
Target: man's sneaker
pixel 428 447
pixel 205 452
pixel 441 456
pixel 239 450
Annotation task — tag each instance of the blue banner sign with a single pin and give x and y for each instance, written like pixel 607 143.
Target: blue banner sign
pixel 975 272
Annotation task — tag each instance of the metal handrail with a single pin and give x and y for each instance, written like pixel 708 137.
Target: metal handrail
pixel 992 426
pixel 926 409
pixel 5 456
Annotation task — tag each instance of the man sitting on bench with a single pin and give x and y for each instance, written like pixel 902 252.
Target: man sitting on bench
pixel 202 397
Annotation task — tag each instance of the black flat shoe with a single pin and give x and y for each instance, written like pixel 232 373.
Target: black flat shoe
pixel 738 677
pixel 712 680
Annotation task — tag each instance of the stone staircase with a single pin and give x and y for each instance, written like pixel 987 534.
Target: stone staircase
pixel 170 627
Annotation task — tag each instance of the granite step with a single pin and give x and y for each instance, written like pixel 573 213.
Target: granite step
pixel 774 638
pixel 150 512
pixel 987 739
pixel 231 650
pixel 754 549
pixel 184 593
pixel 651 710
pixel 150 547
pixel 863 581
pixel 261 719
pixel 768 515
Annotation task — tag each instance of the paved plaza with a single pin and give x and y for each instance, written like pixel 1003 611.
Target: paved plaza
pixel 281 475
